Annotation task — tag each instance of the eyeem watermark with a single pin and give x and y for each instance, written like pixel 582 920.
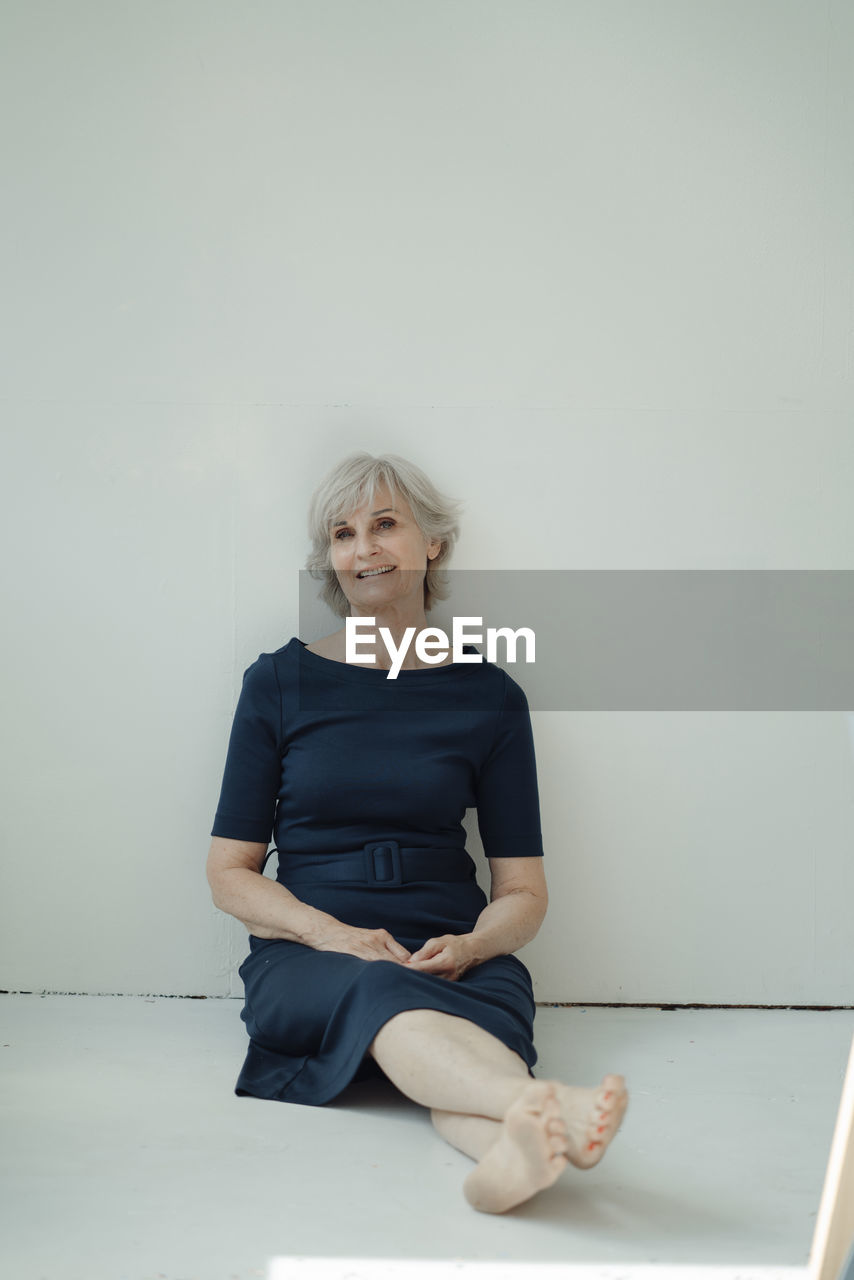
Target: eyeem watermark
pixel 432 645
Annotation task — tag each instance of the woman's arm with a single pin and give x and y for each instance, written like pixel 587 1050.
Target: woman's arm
pixel 265 907
pixel 518 903
pixel 269 910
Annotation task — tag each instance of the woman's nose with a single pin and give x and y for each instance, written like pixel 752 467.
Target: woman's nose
pixel 366 540
pixel 363 543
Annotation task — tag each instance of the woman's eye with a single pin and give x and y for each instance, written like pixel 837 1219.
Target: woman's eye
pixel 385 520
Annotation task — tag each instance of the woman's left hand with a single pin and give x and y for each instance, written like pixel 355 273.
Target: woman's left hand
pixel 447 957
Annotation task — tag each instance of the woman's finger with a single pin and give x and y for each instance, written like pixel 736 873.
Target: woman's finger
pixel 431 948
pixel 388 942
pixel 431 963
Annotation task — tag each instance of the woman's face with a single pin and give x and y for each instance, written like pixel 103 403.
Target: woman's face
pixel 379 534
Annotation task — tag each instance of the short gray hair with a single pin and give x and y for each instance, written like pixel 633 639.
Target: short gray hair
pixel 354 481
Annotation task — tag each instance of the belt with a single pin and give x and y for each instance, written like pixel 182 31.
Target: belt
pixel 381 864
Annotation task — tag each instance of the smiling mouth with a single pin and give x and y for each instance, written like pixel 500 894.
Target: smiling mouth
pixel 375 573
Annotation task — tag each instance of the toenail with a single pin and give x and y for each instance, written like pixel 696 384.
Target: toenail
pixel 601 1127
pixel 591 1145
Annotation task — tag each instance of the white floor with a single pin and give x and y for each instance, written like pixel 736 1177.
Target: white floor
pixel 126 1155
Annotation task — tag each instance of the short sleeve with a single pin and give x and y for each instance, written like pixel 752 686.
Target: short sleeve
pixel 508 801
pixel 253 765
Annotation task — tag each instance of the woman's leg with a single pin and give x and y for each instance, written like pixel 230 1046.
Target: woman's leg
pixel 484 1102
pixel 449 1063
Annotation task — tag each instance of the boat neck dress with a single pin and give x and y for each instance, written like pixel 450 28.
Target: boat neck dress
pixel 363 782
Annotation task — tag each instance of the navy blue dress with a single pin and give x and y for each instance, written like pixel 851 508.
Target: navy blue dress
pixel 329 757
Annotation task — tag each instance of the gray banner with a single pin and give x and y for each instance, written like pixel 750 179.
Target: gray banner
pixel 653 640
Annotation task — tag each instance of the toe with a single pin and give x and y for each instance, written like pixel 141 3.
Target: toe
pixel 609 1094
pixel 602 1121
pixel 551 1108
pixel 612 1087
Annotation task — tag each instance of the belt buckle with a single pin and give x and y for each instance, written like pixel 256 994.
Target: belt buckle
pixel 383 867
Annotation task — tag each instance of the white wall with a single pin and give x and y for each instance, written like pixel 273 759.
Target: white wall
pixel 589 264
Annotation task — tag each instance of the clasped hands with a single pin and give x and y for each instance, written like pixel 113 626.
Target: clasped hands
pixel 447 956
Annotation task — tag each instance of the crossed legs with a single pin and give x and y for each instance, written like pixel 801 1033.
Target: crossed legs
pixel 522 1132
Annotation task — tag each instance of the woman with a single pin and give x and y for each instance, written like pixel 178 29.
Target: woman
pixel 375 950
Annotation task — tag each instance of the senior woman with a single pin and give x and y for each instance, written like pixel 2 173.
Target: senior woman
pixel 375 950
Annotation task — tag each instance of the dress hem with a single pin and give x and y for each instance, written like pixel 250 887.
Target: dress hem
pixel 346 1073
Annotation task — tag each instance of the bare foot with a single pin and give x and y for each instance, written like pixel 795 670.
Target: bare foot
pixel 592 1117
pixel 530 1154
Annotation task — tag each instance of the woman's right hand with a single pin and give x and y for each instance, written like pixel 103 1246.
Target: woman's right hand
pixel 367 944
